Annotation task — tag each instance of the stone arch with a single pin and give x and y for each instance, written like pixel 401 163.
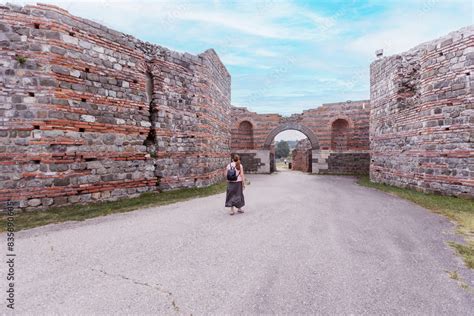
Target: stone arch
pixel 296 126
pixel 340 132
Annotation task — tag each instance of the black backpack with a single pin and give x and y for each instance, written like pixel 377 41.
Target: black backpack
pixel 232 174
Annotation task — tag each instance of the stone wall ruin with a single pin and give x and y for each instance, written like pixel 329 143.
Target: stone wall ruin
pixel 91 114
pixel 422 116
pixel 335 149
pixel 301 159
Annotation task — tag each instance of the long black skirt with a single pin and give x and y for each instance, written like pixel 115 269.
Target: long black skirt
pixel 235 195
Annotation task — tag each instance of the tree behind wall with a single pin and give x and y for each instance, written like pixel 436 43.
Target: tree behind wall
pixel 282 149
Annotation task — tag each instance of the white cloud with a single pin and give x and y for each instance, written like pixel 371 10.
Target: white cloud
pixel 236 60
pixel 260 19
pixel 410 24
pixel 265 52
pixel 244 23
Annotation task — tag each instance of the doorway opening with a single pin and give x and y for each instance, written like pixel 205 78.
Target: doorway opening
pixel 292 151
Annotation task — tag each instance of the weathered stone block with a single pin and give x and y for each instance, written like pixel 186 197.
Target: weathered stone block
pixel 34 202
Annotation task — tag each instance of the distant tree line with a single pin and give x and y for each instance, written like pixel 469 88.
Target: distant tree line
pixel 282 149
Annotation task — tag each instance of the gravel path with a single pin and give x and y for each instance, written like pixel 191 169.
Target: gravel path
pixel 307 244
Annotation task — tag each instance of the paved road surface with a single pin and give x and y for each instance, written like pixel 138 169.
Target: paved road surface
pixel 307 244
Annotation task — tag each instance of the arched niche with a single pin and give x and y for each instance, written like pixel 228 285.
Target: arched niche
pixel 340 130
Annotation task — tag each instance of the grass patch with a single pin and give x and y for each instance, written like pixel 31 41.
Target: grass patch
pixel 466 251
pixel 459 210
pixel 25 220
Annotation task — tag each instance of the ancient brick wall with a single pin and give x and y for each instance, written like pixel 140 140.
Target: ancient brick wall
pixel 335 128
pixel 301 156
pixel 349 163
pixel 421 123
pixel 190 137
pixel 88 113
pixel 215 119
pixel 250 161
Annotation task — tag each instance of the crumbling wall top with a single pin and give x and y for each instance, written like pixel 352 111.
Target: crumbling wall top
pixel 435 44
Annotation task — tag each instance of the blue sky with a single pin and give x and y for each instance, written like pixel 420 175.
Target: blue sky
pixel 284 56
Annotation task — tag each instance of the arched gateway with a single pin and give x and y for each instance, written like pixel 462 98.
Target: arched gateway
pixel 338 133
pixel 292 126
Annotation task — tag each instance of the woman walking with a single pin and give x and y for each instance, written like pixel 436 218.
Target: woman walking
pixel 235 185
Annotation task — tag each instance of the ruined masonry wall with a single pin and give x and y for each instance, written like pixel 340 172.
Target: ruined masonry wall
pixel 301 155
pixel 355 157
pixel 422 118
pixel 77 124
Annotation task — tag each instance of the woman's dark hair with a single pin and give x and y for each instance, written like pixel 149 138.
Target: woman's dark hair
pixel 237 162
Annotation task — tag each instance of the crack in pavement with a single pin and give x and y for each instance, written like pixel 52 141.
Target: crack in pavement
pixel 156 287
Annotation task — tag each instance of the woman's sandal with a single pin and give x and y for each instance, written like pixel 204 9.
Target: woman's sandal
pixel 233 213
pixel 240 211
